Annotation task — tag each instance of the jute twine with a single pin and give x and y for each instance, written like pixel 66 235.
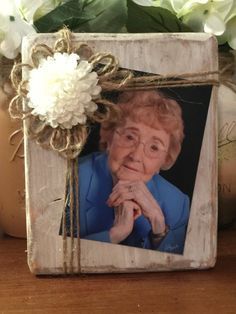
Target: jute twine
pixel 69 142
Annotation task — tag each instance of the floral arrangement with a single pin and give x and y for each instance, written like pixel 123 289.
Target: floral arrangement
pixel 60 94
pixel 21 17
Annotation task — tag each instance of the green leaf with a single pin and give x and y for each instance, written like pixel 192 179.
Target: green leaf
pixel 110 16
pixel 70 14
pixel 152 19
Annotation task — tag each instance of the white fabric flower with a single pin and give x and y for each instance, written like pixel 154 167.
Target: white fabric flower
pixel 62 90
pixel 12 30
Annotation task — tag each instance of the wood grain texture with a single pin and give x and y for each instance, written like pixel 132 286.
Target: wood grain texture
pixel 209 291
pixel 45 170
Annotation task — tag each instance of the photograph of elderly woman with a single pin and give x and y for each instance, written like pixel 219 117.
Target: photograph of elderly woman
pixel 123 197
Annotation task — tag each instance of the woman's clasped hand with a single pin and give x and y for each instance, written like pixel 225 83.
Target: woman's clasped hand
pixel 132 199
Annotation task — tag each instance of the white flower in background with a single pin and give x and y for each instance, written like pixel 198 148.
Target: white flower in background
pixel 207 16
pixel 62 90
pixel 146 3
pixel 216 17
pixel 31 10
pixel 230 33
pixel 12 30
pixel 182 7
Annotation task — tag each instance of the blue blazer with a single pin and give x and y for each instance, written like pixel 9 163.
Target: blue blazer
pixel 96 218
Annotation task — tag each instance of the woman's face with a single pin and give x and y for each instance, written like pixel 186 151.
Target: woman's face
pixel 137 151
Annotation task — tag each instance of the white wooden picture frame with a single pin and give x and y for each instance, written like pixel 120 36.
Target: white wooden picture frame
pixel 46 170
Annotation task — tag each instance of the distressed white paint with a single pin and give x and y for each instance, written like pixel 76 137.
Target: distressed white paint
pixel 45 170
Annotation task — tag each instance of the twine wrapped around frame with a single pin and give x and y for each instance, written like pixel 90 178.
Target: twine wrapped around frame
pixel 69 142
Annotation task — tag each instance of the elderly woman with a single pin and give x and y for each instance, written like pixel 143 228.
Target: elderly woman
pixel 123 199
